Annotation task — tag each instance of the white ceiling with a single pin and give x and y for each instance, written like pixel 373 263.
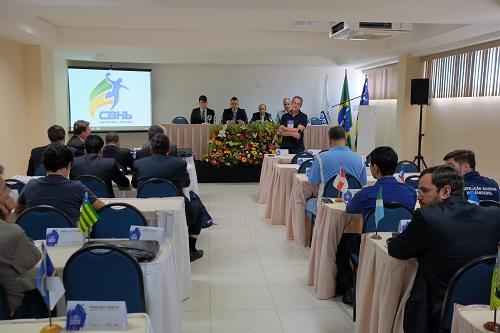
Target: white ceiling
pixel 242 32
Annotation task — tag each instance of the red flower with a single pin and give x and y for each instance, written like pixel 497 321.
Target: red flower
pixel 229 136
pixel 214 162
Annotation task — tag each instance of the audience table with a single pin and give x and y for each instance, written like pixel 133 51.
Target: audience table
pixel 160 286
pixel 137 323
pixel 279 192
pixel 331 222
pixel 297 225
pixel 471 318
pixel 382 288
pixel 266 173
pixel 169 214
pixel 195 136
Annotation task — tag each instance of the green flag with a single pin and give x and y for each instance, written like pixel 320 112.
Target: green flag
pixel 344 117
pixel 495 285
pixel 88 215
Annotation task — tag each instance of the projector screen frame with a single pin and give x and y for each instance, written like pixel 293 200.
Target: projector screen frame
pixel 110 68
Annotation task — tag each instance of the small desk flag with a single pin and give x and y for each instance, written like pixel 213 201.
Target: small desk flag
pixel 379 208
pixel 49 285
pixel 495 285
pixel 401 176
pixel 88 215
pixel 340 182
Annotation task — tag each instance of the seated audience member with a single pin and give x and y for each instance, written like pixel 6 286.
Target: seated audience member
pixel 446 233
pixel 93 164
pixel 234 114
pixel 159 165
pixel 18 254
pixel 56 189
pixel 464 161
pixel 56 134
pixel 287 106
pixel 292 126
pixel 122 156
pixel 146 149
pixel 383 161
pixel 81 130
pixel 261 115
pixel 202 114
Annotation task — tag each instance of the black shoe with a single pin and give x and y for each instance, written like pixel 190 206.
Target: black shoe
pixel 195 255
pixel 348 297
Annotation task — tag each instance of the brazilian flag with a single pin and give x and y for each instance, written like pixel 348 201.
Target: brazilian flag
pixel 495 285
pixel 344 117
pixel 88 215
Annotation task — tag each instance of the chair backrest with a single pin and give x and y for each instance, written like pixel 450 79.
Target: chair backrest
pixel 96 185
pixel 4 303
pixel 471 284
pixel 412 181
pixel 104 273
pixel 302 155
pixel 115 220
pixel 315 121
pixel 331 192
pixel 15 184
pixel 35 221
pixel 157 188
pixel 393 213
pixel 488 203
pixel 408 166
pixel 306 164
pixel 180 120
pixel 41 171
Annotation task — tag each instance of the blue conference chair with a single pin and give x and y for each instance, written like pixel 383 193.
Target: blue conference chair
pixel 4 303
pixel 471 284
pixel 180 120
pixel 40 171
pixel 315 121
pixel 35 221
pixel 412 181
pixel 489 203
pixel 306 164
pixel 408 166
pixel 104 273
pixel 157 188
pixel 96 185
pixel 115 220
pixel 15 184
pixel 302 155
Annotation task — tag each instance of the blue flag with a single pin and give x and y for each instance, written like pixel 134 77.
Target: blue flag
pixel 48 284
pixel 365 100
pixel 323 118
pixel 379 208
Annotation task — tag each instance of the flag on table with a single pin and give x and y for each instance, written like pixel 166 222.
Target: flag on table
pixel 379 208
pixel 365 100
pixel 324 115
pixel 340 182
pixel 344 117
pixel 49 285
pixel 88 215
pixel 473 198
pixel 495 285
pixel 401 176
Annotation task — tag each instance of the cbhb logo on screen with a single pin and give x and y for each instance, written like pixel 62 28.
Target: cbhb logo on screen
pixel 105 93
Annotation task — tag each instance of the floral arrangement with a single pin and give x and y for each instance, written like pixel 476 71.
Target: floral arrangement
pixel 236 145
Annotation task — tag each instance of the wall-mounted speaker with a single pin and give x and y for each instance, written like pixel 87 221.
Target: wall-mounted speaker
pixel 419 91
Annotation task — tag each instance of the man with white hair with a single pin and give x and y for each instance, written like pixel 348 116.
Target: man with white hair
pixel 287 106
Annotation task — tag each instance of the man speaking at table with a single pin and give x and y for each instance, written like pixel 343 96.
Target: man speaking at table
pixel 234 114
pixel 292 126
pixel 446 233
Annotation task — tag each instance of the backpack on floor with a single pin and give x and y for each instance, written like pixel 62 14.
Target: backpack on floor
pixel 206 219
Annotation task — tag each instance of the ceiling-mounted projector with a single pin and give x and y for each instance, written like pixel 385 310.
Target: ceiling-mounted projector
pixel 368 30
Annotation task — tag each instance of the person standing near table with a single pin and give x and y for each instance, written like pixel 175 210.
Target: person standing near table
pixel 261 115
pixel 202 114
pixel 287 105
pixel 234 114
pixel 292 126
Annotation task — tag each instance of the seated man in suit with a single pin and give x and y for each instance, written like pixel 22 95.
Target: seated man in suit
pixel 18 254
pixel 81 130
pixel 234 114
pixel 159 165
pixel 464 161
pixel 146 150
pixel 261 115
pixel 446 233
pixel 122 156
pixel 56 134
pixel 93 164
pixel 56 189
pixel 202 114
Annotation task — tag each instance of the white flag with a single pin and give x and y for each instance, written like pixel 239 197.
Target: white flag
pixel 325 104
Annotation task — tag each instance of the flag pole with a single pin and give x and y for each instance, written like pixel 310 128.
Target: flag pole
pixel 48 328
pixel 492 326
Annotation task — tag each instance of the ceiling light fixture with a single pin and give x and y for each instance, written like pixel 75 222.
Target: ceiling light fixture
pixel 304 23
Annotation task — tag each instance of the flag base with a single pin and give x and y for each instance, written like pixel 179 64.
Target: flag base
pixel 54 328
pixel 339 200
pixel 376 236
pixel 492 326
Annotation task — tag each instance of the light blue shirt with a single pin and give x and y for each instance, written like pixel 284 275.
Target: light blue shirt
pixel 279 115
pixel 352 164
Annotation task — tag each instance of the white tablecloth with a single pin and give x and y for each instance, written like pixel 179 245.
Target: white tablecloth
pixel 471 318
pixel 160 285
pixel 137 323
pixel 169 214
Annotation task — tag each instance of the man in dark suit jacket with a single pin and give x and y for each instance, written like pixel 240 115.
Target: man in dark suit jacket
pixel 81 130
pixel 446 233
pixel 122 156
pixel 234 114
pixel 202 114
pixel 35 164
pixel 93 164
pixel 146 150
pixel 159 165
pixel 261 115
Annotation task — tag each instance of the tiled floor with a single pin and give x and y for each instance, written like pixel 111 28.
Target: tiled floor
pixel 251 279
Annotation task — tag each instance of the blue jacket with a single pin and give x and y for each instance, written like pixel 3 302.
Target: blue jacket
pixel 485 188
pixel 392 191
